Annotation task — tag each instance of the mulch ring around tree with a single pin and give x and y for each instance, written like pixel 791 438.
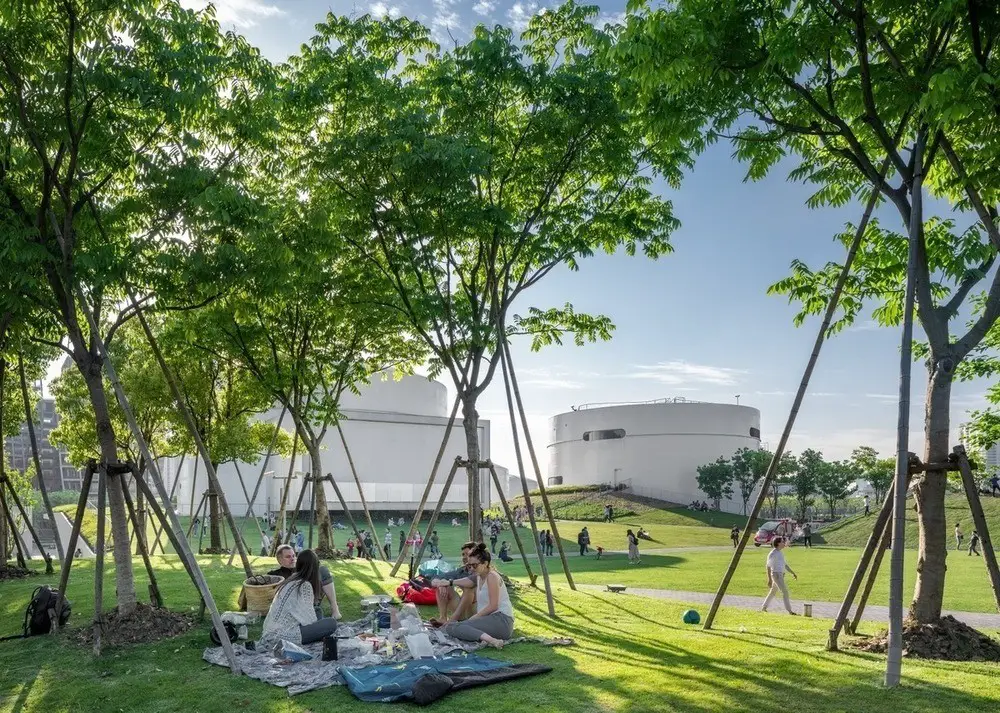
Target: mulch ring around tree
pixel 143 626
pixel 948 639
pixel 16 573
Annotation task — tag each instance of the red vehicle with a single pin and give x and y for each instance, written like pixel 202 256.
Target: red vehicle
pixel 785 527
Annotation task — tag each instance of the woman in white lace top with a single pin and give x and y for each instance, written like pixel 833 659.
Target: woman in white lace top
pixel 292 616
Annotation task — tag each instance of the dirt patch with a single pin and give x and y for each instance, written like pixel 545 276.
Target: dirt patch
pixel 214 551
pixel 325 554
pixel 16 573
pixel 948 639
pixel 143 626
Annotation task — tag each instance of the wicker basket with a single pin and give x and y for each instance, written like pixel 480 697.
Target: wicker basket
pixel 259 596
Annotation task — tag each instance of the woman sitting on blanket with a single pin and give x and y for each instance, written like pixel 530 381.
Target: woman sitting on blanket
pixel 292 617
pixel 493 621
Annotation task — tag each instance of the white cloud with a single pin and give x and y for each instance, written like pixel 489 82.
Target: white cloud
pixel 445 22
pixel 520 14
pixel 240 13
pixel 883 397
pixel 380 9
pixel 484 7
pixel 681 372
pixel 609 18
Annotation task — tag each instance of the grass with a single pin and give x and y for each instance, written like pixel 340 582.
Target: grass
pixel 588 505
pixel 854 531
pixel 632 654
pixel 824 574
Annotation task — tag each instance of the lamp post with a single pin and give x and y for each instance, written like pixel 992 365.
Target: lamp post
pixel 738 399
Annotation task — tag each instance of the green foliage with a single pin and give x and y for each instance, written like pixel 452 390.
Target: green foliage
pixel 879 472
pixel 805 479
pixel 749 468
pixel 64 497
pixel 470 174
pixel 834 482
pixel 716 479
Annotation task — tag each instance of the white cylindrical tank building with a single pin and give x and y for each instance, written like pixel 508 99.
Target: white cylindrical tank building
pixel 652 447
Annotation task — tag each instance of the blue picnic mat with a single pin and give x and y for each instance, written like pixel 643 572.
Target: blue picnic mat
pixel 394 682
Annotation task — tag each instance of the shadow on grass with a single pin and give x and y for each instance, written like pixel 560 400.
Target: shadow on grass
pixel 629 657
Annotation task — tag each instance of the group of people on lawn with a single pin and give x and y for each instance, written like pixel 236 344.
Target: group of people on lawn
pixel 481 612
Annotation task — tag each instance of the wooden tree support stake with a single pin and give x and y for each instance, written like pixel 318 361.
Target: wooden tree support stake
pixel 74 536
pixel 185 412
pixel 513 525
pixel 440 505
pixel 415 525
pixel 883 544
pixel 99 561
pixel 979 518
pixel 538 472
pixel 881 523
pixel 27 524
pixel 550 602
pixel 361 492
pixel 29 419
pixel 155 598
pixel 157 528
pixel 772 469
pixel 260 478
pixel 184 550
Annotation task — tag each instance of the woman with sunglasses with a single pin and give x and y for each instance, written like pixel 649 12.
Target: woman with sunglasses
pixel 493 621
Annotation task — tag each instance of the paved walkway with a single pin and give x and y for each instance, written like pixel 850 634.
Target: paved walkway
pixel 821 610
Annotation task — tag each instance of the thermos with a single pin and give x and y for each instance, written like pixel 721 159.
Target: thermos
pixel 330 648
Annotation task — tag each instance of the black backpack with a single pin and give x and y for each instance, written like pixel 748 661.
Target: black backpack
pixel 42 609
pixel 40 612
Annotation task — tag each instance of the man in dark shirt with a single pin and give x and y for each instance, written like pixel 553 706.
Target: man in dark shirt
pixel 286 568
pixel 446 594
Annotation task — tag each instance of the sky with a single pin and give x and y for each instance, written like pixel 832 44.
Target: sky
pixel 697 323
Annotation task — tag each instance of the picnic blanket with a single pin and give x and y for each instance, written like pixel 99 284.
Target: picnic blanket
pixel 427 680
pixel 314 674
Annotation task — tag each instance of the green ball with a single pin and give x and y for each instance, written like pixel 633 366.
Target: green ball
pixel 691 617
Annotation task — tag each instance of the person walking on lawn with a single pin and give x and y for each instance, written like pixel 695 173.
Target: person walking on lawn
pixel 807 535
pixel 633 547
pixel 974 544
pixel 958 536
pixel 734 535
pixel 776 568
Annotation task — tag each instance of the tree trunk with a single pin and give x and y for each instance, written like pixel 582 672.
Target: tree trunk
pixel 214 517
pixel 928 594
pixel 470 422
pixel 124 579
pixel 324 541
pixel 3 456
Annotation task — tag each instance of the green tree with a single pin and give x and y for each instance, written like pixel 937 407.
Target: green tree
pixel 121 122
pixel 835 481
pixel 847 88
pixel 786 467
pixel 879 472
pixel 716 480
pixel 749 468
pixel 805 479
pixel 466 176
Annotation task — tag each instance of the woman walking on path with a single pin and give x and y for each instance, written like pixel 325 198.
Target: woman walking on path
pixel 633 548
pixel 776 568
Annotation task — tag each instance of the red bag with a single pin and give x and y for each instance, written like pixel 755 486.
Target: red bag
pixel 407 593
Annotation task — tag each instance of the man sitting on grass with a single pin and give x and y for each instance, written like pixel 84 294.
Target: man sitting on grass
pixel 446 595
pixel 286 568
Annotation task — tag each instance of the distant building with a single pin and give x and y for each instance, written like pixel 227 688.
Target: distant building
pixel 651 448
pixel 989 457
pixel 57 471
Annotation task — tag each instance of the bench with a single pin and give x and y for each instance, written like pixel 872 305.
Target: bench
pixel 616 588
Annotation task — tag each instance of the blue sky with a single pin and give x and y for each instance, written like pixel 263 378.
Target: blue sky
pixel 697 323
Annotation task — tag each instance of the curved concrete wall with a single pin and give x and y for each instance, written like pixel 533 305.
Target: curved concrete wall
pixel 655 447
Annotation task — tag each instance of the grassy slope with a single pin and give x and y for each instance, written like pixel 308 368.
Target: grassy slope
pixel 854 531
pixel 589 505
pixel 632 654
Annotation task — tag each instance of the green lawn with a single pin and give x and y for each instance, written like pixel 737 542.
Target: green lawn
pixel 854 531
pixel 824 574
pixel 632 654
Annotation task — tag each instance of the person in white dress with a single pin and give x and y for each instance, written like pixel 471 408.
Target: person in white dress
pixel 776 568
